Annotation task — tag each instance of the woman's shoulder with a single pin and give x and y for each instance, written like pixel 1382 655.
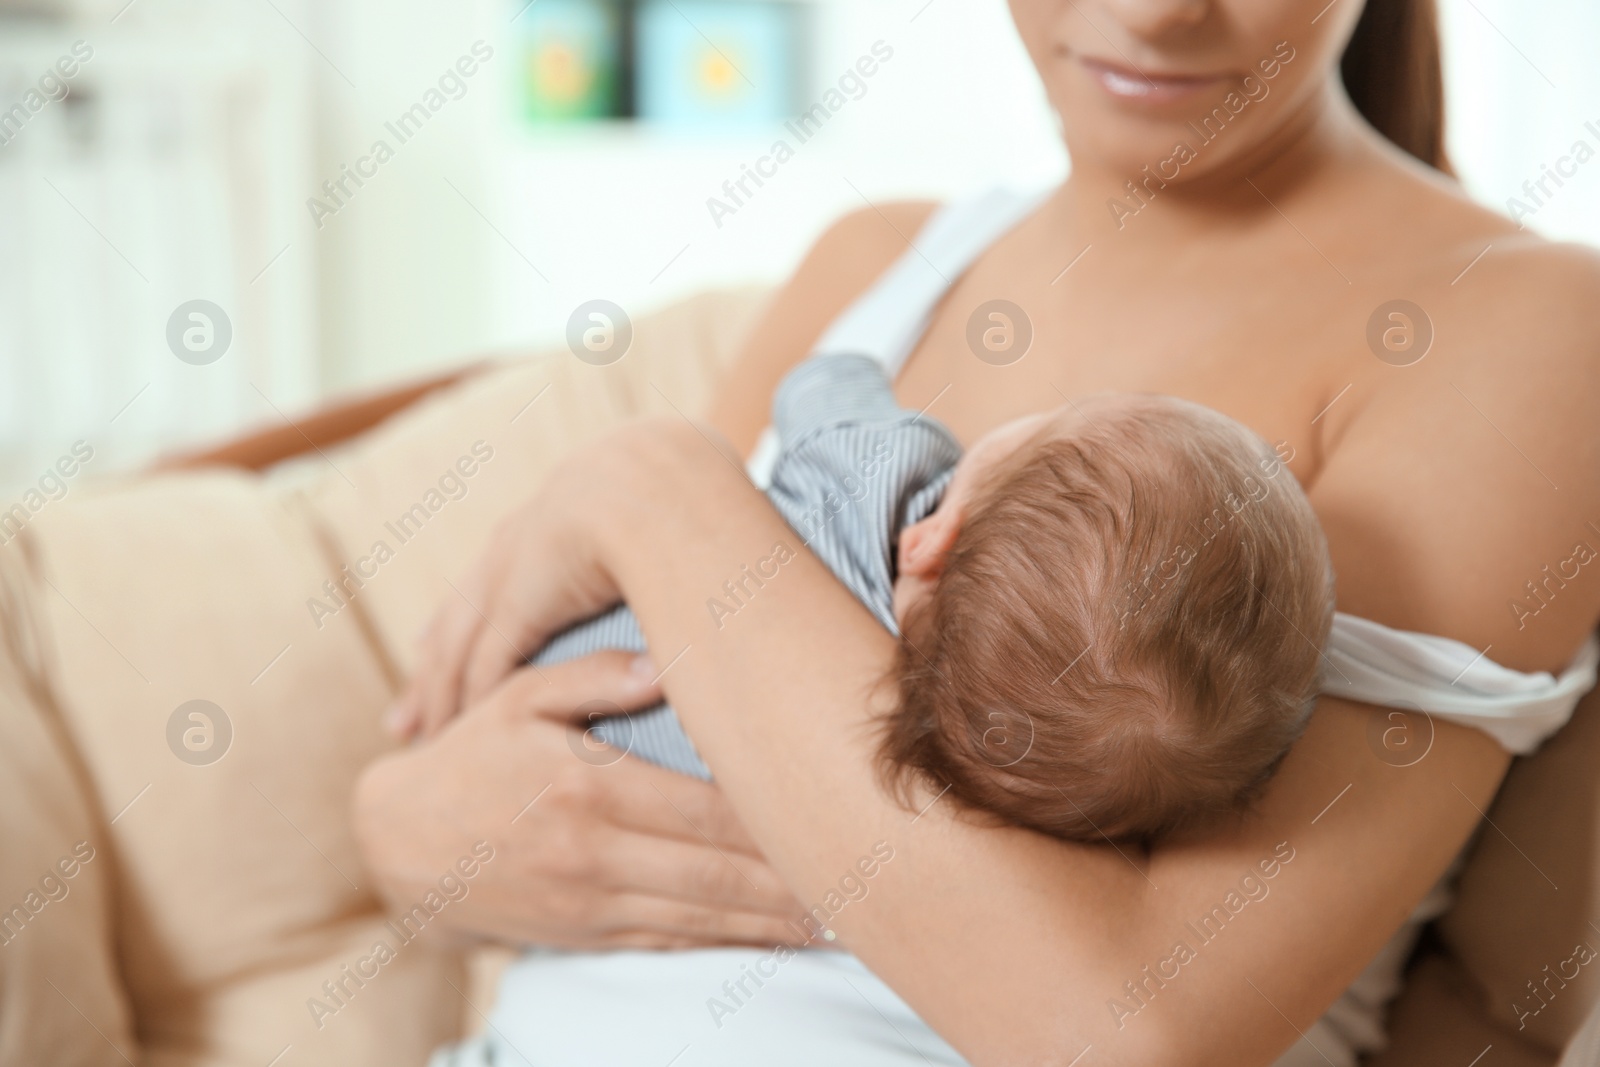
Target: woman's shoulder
pixel 1517 308
pixel 840 266
pixel 1488 268
pixel 1494 300
pixel 886 228
pixel 1535 293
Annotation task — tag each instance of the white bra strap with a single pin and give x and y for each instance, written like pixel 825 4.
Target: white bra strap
pixel 1371 663
pixel 888 320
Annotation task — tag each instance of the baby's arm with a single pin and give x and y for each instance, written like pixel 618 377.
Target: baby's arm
pixel 856 468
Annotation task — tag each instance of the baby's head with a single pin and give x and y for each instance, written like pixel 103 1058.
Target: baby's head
pixel 1111 623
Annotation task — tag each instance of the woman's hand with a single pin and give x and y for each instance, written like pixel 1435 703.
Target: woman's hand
pixel 540 574
pixel 591 849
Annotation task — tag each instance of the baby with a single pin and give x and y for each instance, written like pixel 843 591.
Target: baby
pixel 1110 615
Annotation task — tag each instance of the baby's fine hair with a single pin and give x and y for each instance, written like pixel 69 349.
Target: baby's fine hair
pixel 1125 636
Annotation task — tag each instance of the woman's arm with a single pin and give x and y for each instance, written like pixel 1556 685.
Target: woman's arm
pixel 1024 950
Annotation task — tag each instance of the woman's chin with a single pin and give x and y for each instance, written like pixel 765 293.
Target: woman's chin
pixel 1122 154
pixel 1144 164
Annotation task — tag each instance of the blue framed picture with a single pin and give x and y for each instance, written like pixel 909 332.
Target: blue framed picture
pixel 570 56
pixel 717 62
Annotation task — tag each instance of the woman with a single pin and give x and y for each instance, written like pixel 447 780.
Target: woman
pixel 1235 241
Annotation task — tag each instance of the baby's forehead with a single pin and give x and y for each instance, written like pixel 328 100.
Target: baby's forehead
pixel 1082 413
pixel 1104 414
pixel 1117 411
pixel 1013 436
pixel 1067 419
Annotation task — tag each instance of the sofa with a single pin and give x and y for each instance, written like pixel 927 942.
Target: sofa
pixel 194 658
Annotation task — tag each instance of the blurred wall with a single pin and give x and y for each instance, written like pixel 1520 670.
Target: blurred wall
pixel 495 230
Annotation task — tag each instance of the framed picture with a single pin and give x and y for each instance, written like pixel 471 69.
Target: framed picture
pixel 718 62
pixel 570 59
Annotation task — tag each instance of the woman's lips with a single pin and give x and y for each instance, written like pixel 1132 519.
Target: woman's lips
pixel 1148 87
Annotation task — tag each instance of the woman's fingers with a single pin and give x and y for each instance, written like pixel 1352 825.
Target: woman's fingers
pixel 556 691
pixel 588 855
pixel 401 717
pixel 654 800
pixel 534 578
pixel 536 594
pixel 428 699
pixel 641 917
pixel 660 833
pixel 504 640
pixel 693 873
pixel 438 679
pixel 436 688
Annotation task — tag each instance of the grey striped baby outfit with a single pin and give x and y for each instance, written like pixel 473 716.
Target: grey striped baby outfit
pixel 854 470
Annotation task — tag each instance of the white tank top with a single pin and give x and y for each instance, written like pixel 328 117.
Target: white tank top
pixel 702 1007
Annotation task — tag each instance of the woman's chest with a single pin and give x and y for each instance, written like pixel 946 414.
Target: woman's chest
pixel 1273 357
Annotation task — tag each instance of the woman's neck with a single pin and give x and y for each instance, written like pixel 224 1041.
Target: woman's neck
pixel 1310 146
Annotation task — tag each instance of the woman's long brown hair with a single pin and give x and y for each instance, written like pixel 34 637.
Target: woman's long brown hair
pixel 1393 73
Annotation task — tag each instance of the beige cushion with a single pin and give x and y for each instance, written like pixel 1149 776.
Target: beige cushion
pixel 233 875
pixel 59 988
pixel 670 369
pixel 237 890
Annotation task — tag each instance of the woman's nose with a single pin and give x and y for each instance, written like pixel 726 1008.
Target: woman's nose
pixel 1151 19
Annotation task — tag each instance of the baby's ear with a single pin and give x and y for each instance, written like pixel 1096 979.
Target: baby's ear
pixel 924 545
